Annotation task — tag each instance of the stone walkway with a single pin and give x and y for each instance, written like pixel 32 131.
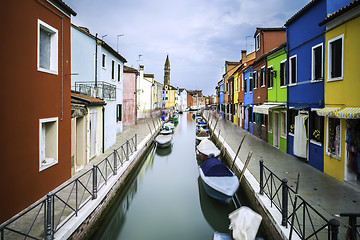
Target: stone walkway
pixel 327 195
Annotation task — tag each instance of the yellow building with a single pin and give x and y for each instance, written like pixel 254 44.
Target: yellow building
pixel 342 96
pixel 170 96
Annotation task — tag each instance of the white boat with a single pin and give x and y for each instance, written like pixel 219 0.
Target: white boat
pixel 166 131
pixel 218 180
pixel 169 125
pixel 207 147
pixel 244 223
pixel 163 141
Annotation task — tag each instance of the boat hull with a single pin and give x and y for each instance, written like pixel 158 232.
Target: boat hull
pixel 225 199
pixel 164 145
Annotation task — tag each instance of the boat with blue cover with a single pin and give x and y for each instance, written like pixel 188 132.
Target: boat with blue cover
pixel 218 180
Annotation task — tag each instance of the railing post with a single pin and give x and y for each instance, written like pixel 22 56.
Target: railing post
pixel 284 210
pixel 49 230
pixel 94 181
pixel 135 141
pixel 261 176
pixel 127 150
pixel 115 163
pixel 334 229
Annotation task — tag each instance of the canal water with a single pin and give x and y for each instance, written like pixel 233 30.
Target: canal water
pixel 165 199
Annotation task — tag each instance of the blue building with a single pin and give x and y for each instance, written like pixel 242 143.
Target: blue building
pixel 221 92
pixel 305 81
pixel 248 99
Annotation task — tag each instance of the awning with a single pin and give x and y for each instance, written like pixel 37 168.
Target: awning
pixel 264 109
pixel 348 112
pixel 328 111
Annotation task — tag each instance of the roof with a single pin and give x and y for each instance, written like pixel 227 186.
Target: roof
pixel 341 11
pixel 90 100
pixel 103 43
pixel 281 46
pixel 149 75
pixel 232 63
pixel 301 11
pixel 64 6
pixel 130 70
pixel 273 29
pixel 167 62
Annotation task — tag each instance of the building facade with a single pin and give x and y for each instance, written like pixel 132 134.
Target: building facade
pixel 129 96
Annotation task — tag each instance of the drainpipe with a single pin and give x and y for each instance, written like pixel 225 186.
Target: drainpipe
pixel 103 129
pixel 287 83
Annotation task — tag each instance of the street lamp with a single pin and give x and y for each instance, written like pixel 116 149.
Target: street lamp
pixel 117 41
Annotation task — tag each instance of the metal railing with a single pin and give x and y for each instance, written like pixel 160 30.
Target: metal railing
pixel 353 230
pixel 308 223
pixel 101 90
pixel 52 212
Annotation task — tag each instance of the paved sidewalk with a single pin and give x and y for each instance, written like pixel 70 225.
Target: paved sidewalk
pixel 329 196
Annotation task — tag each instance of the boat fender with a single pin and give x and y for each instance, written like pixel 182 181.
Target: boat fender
pixel 211 155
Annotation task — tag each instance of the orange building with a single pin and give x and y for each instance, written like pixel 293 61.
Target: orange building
pixel 36 121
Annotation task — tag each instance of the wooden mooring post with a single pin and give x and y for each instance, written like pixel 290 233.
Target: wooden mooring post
pixel 237 153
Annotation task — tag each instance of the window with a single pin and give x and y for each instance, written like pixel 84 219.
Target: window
pixel 335 58
pixel 283 124
pixel 119 73
pixel 251 83
pixel 112 69
pixel 250 114
pixel 333 137
pixel 242 83
pixel 283 73
pixel 270 77
pixel 103 61
pixel 255 79
pixel 48 142
pixel 316 126
pixel 119 112
pixel 317 62
pixel 257 42
pixel 47 49
pixel 270 122
pixel 238 83
pixel 291 120
pixel 293 70
pixel 245 85
pixel 262 77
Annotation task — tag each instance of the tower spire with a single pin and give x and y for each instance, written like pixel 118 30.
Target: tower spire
pixel 167 71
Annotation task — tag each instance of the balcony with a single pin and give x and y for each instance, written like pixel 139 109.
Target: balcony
pixel 102 90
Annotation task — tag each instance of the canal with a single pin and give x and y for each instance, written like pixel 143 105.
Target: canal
pixel 165 198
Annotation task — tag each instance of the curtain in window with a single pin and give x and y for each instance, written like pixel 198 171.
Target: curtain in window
pixel 45 40
pixel 300 139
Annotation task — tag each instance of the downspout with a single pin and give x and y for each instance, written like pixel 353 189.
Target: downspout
pixel 103 129
pixel 135 93
pixel 287 85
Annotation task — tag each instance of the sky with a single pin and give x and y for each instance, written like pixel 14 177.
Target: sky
pixel 198 35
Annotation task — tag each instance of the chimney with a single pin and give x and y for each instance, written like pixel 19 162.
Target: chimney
pixel 243 55
pixel 141 71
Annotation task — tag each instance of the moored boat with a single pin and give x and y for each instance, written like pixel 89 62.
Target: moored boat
pixel 205 148
pixel 201 136
pixel 163 141
pixel 218 180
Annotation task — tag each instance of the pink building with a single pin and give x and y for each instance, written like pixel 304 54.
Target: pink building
pixel 129 96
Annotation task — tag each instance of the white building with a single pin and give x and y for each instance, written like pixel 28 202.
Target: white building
pixel 98 72
pixel 145 88
pixel 183 99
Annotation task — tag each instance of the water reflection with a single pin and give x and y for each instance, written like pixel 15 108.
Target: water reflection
pixel 215 213
pixel 163 151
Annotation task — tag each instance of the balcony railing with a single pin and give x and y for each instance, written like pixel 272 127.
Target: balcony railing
pixel 101 90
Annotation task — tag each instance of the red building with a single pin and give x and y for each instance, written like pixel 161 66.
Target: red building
pixel 129 96
pixel 36 129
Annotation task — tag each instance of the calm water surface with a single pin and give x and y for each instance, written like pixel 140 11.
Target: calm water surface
pixel 165 200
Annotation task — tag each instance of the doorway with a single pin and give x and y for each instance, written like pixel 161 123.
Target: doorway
pixel 276 129
pixel 352 152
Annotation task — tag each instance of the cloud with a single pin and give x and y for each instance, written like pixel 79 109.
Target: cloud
pixel 198 35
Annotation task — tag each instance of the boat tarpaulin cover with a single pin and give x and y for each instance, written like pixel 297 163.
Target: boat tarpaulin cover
pixel 213 167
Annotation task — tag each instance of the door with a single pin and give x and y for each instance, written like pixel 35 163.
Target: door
pixel 276 129
pixel 80 146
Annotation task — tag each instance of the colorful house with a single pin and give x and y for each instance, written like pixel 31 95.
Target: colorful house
pixel 230 68
pixel 305 92
pixel 158 94
pixel 36 123
pixel 86 129
pixel 145 83
pixel 248 99
pixel 100 78
pixel 266 40
pixel 221 95
pixel 277 98
pixel 342 98
pixel 129 96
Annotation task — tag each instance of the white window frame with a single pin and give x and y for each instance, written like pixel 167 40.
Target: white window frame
pixel 256 79
pixel 103 60
pixel 242 82
pixel 257 42
pixel 284 136
pixel 313 79
pixel 113 64
pixel 271 75
pixel 119 73
pixel 329 78
pixel 290 75
pixel 284 86
pixel 53 68
pixel 338 157
pixel 263 72
pixel 43 166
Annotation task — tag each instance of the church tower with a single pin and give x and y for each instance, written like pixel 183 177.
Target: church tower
pixel 167 72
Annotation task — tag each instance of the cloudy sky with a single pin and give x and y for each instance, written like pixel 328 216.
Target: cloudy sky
pixel 198 35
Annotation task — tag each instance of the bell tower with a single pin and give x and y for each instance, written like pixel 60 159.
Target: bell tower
pixel 167 72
